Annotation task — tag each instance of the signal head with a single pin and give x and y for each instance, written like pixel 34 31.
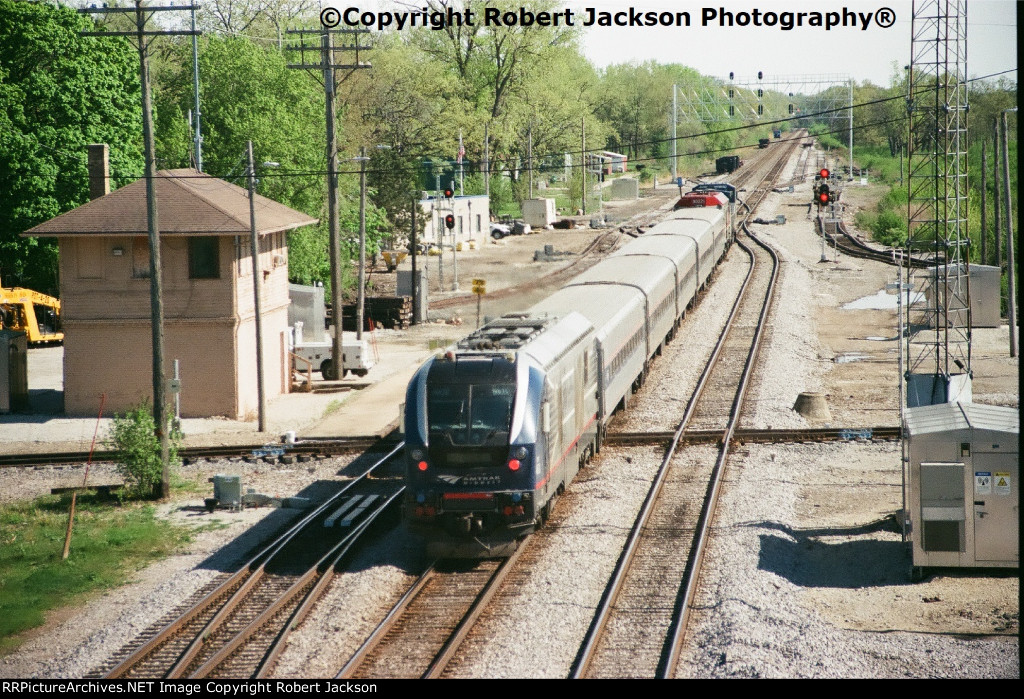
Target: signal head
pixel 449 192
pixel 449 221
pixel 824 173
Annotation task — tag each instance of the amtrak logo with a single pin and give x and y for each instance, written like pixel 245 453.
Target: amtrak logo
pixel 470 480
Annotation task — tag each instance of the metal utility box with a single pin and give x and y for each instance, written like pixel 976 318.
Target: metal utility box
pixel 13 371
pixel 405 288
pixel 986 296
pixel 307 307
pixel 227 490
pixel 539 213
pixel 962 485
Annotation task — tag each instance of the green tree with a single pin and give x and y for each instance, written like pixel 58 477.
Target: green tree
pixel 247 92
pixel 59 91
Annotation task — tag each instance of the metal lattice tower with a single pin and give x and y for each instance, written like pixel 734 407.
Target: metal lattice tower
pixel 938 346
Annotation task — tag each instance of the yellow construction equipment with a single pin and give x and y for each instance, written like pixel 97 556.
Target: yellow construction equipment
pixel 37 315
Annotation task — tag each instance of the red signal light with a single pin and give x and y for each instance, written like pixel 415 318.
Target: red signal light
pixel 449 192
pixel 422 465
pixel 824 173
pixel 823 197
pixel 513 465
pixel 449 221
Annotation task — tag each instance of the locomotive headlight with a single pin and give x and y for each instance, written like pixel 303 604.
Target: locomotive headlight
pixel 521 453
pixel 516 497
pixel 416 454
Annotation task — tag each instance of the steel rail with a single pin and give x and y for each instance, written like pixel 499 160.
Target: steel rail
pixel 374 639
pixel 691 575
pixel 245 578
pixel 757 436
pixel 612 591
pixel 334 445
pixel 452 645
pixel 319 575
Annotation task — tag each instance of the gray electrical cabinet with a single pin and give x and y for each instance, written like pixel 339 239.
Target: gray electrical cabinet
pixel 13 371
pixel 307 307
pixel 962 485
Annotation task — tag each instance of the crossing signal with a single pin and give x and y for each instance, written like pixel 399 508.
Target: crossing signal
pixel 449 221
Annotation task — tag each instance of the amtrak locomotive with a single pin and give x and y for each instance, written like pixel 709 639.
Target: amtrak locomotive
pixel 500 423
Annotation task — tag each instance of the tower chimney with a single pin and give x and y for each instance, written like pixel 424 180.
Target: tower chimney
pixel 99 170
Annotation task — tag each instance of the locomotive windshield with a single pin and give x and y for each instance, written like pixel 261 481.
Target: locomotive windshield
pixel 477 414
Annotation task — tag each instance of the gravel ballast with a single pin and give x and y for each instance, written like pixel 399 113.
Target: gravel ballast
pixel 806 575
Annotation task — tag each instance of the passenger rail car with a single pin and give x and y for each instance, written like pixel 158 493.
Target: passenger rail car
pixel 500 423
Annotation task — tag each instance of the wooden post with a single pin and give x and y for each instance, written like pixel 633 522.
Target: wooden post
pixel 85 479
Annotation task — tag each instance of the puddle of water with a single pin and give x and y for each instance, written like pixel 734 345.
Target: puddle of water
pixel 847 358
pixel 881 301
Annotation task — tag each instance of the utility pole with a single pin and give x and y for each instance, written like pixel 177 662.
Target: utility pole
pixel 851 130
pixel 675 158
pixel 415 280
pixel 529 156
pixel 325 67
pixel 583 159
pixel 487 167
pixel 995 184
pixel 361 293
pixel 984 207
pixel 160 411
pixel 1011 302
pixel 261 394
pixel 195 89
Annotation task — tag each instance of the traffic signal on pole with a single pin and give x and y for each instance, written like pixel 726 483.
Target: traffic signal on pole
pixel 449 221
pixel 824 195
pixel 449 192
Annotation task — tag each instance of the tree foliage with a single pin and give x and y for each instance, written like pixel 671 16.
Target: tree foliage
pixel 59 91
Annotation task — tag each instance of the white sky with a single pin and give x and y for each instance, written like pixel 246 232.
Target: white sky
pixel 712 50
pixel 863 55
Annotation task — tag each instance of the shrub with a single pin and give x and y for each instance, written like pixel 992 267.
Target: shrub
pixel 133 437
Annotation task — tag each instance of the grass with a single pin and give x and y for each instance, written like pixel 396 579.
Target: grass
pixel 109 543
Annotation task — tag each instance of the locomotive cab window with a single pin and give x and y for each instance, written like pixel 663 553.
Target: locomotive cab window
pixel 470 414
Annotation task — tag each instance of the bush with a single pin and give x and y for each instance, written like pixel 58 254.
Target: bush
pixel 133 438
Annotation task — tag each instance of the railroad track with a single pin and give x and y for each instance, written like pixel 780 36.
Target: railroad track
pixel 751 436
pixel 240 625
pixel 640 622
pixel 424 630
pixel 312 447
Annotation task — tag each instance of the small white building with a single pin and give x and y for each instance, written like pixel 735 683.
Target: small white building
pixel 472 215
